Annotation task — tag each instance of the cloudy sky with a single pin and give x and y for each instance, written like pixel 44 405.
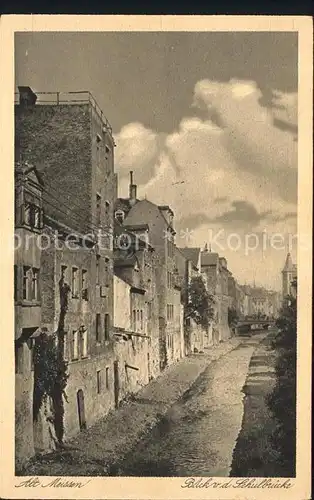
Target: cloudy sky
pixel 207 122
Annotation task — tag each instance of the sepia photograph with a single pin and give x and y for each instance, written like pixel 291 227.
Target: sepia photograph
pixel 156 257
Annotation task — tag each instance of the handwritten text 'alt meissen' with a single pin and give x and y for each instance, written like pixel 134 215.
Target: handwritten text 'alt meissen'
pixel 58 482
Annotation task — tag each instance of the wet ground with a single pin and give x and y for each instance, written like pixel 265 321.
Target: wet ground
pixel 197 436
pixel 255 454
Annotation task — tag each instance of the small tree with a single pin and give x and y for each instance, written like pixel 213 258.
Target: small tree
pixel 200 303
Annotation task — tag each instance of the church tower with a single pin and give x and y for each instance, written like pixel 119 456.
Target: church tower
pixel 287 276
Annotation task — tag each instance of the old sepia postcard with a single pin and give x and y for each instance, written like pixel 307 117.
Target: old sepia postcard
pixel 156 221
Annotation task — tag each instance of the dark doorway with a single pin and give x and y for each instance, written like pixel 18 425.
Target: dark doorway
pixel 116 383
pixel 81 409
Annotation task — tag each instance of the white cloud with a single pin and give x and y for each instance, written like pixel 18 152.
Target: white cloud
pixel 137 149
pixel 248 159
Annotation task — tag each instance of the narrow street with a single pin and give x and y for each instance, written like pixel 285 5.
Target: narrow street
pixel 198 434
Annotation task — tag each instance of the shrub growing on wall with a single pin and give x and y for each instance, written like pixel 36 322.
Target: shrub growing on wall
pixel 50 380
pixel 51 369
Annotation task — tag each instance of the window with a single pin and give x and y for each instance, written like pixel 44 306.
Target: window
pixel 134 320
pixel 119 216
pixel 65 346
pixel 32 215
pixel 98 209
pixel 142 322
pixel 75 345
pixel 26 283
pixel 84 284
pixel 84 343
pixel 97 269
pixel 107 264
pixel 15 282
pixel 107 326
pixel 107 207
pixel 98 328
pixel 64 272
pixel 75 282
pixel 98 376
pixel 35 294
pixel 107 378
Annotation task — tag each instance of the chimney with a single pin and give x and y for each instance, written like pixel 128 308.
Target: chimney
pixel 206 248
pixel 27 96
pixel 132 190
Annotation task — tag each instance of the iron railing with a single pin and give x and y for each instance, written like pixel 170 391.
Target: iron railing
pixel 61 98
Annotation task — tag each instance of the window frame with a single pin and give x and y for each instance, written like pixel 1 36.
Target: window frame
pixel 99 381
pixel 75 282
pixel 98 328
pixel 107 327
pixel 75 345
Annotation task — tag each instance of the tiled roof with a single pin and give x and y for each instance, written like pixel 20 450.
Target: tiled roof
pixel 191 254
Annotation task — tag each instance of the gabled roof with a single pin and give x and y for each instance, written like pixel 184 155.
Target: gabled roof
pixel 191 254
pixel 24 169
pixel 209 259
pixel 135 215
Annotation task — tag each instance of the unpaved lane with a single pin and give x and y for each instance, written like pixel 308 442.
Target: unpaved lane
pixel 198 434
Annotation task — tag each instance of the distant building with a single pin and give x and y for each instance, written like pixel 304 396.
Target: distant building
pixel 189 266
pixel 217 273
pixel 289 276
pixel 246 300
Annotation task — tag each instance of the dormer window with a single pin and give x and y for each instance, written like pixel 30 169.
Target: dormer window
pixel 32 212
pixel 119 216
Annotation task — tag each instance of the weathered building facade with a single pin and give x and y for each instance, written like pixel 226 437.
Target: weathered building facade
pixel 27 301
pixel 132 212
pixel 217 275
pixel 71 142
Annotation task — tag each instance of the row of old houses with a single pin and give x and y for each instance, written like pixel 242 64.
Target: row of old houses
pixel 104 270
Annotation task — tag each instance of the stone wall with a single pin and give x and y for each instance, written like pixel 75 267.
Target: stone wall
pixel 132 354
